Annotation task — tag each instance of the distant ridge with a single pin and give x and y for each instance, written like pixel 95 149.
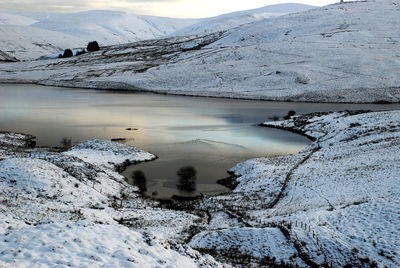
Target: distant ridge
pixel 30 35
pixel 235 19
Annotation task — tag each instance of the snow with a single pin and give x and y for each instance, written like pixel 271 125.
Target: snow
pixel 16 140
pixel 111 27
pixel 16 20
pixel 84 244
pixel 29 36
pixel 235 19
pixel 336 202
pixel 108 154
pixel 6 58
pixel 257 242
pixel 28 43
pixel 338 53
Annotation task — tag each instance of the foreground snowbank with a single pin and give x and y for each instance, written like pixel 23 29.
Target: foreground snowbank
pixel 72 209
pixel 84 244
pixel 108 154
pixel 335 203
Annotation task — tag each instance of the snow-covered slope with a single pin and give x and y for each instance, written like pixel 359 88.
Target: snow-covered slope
pixel 338 53
pixel 232 20
pixel 14 19
pixel 335 204
pixel 4 57
pixel 29 36
pixel 111 27
pixel 27 43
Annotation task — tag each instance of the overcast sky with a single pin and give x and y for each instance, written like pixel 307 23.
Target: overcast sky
pixel 167 8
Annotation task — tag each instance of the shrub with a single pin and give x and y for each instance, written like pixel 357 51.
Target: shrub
pixel 302 80
pixel 68 53
pixel 93 46
pixel 289 115
pixel 80 52
pixel 274 118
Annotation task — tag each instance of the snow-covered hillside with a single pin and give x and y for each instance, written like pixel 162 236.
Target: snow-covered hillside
pixel 338 53
pixel 28 36
pixel 6 58
pixel 28 43
pixel 335 204
pixel 74 30
pixel 111 27
pixel 235 19
pixel 14 19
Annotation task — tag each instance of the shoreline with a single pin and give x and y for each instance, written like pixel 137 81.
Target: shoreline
pixel 134 90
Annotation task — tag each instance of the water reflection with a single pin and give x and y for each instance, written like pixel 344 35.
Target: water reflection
pixel 139 179
pixel 187 179
pixel 66 142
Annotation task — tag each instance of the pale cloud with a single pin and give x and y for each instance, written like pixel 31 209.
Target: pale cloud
pixel 168 8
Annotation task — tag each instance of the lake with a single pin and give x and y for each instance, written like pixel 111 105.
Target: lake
pixel 207 134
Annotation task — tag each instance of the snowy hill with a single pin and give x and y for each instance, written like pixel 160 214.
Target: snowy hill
pixel 338 53
pixel 26 42
pixel 111 27
pixel 13 19
pixel 235 19
pixel 28 36
pixel 73 30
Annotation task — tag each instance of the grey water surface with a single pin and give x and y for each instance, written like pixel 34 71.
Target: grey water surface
pixel 211 135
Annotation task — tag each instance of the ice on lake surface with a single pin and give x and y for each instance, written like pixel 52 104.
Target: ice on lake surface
pixel 209 134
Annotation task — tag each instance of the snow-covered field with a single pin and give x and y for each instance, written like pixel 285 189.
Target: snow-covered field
pixel 338 53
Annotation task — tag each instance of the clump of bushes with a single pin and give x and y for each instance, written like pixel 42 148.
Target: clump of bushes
pixel 67 54
pixel 274 118
pixel 80 52
pixel 302 80
pixel 93 46
pixel 289 115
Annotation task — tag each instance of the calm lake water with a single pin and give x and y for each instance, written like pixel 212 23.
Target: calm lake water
pixel 209 134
